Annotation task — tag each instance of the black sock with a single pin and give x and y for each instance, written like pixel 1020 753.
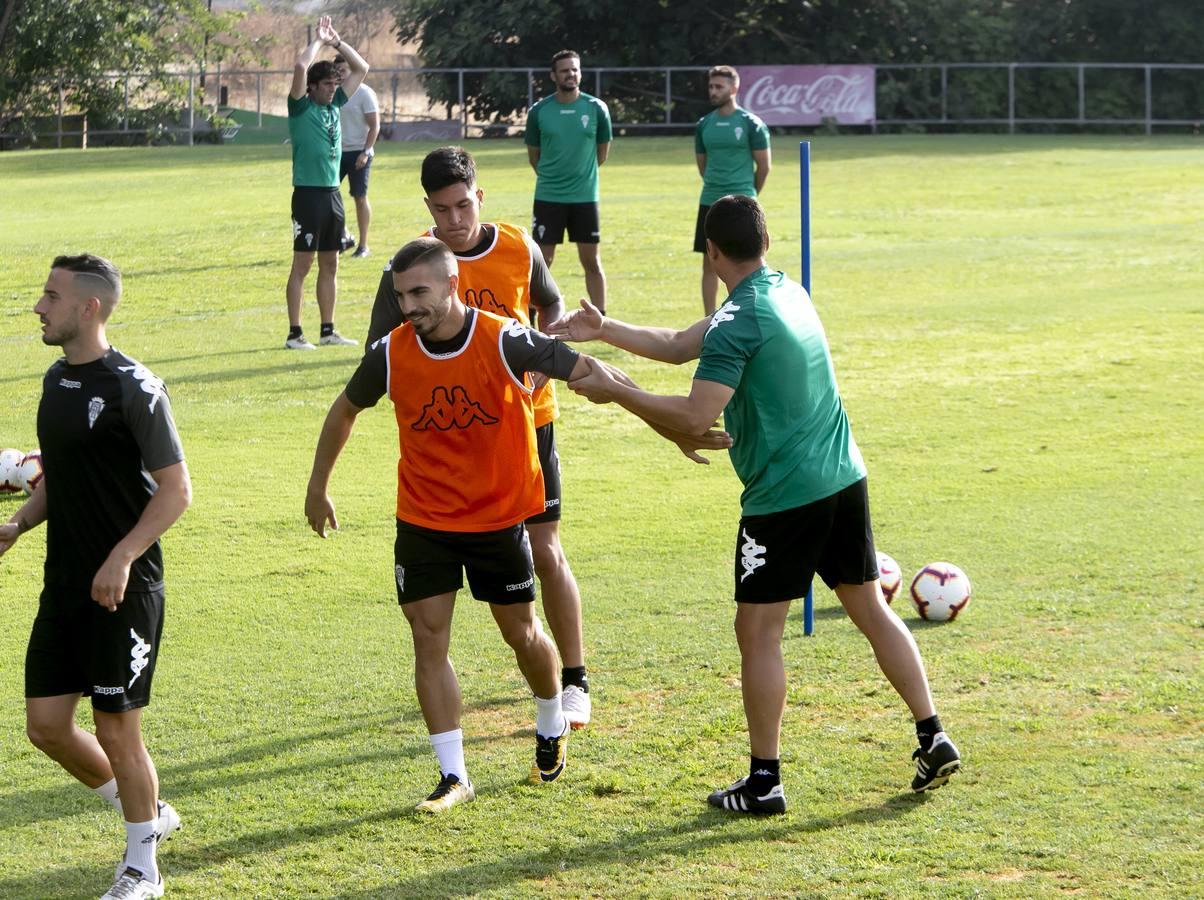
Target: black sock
pixel 294 331
pixel 327 329
pixel 927 730
pixel 763 775
pixel 574 675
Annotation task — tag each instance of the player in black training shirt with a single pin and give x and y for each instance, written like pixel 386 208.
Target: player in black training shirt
pixel 115 481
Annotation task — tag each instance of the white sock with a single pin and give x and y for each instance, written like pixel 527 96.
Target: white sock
pixel 108 792
pixel 550 720
pixel 449 747
pixel 140 847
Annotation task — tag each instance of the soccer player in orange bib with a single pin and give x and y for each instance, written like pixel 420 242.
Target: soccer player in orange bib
pixel 468 478
pixel 502 271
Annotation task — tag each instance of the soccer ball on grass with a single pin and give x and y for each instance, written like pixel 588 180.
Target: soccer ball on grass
pixel 940 591
pixel 10 468
pixel 889 576
pixel 30 472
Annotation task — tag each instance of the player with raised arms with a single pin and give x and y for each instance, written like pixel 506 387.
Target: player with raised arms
pixel 764 363
pixel 115 481
pixel 501 270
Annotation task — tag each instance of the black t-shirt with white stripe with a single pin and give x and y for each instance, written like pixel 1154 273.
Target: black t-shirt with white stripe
pixel 103 426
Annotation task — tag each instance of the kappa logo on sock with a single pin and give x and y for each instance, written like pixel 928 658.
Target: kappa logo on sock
pixel 765 772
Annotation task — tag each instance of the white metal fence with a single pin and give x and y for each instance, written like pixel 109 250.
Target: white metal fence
pixel 666 98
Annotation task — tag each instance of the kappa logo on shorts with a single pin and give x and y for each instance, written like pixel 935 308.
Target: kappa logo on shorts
pixel 725 313
pixel 750 554
pixel 138 656
pixel 296 229
pixel 454 409
pixel 107 691
pixel 399 573
pixel 521 587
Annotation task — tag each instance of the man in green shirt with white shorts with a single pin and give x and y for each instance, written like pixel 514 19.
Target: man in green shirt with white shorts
pixel 731 146
pixel 764 363
pixel 316 136
pixel 568 137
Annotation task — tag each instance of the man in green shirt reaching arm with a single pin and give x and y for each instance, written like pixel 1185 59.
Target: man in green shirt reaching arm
pixel 764 363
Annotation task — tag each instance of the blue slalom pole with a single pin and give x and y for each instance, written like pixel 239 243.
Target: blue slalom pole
pixel 804 181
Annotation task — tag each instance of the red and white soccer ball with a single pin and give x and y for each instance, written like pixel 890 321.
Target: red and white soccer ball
pixel 890 577
pixel 30 472
pixel 940 591
pixel 10 469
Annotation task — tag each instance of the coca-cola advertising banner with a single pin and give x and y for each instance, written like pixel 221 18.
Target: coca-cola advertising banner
pixel 806 95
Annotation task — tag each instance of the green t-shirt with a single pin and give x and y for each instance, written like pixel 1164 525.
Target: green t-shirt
pixel 317 139
pixel 792 444
pixel 568 135
pixel 728 142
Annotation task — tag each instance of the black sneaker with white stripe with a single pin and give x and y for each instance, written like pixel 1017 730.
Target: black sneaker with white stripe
pixel 738 798
pixel 934 766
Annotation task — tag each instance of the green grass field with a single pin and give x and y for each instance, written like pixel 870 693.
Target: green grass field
pixel 1016 324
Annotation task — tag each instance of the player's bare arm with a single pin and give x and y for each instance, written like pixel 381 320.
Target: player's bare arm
pixel 373 120
pixel 319 508
pixel 762 162
pixel 603 152
pixel 30 515
pixel 701 159
pixel 661 344
pixel 359 67
pixel 171 498
pixel 714 438
pixel 533 157
pixel 693 414
pixel 305 59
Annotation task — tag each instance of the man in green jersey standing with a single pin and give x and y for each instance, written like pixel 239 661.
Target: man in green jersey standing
pixel 314 130
pixel 731 146
pixel 764 363
pixel 568 137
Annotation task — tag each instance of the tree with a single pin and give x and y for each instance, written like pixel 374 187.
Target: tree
pixel 77 46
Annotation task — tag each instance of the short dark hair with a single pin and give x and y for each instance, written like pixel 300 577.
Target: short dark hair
pixel 105 277
pixel 736 225
pixel 447 166
pixel 421 251
pixel 339 59
pixel 320 71
pixel 724 72
pixel 564 54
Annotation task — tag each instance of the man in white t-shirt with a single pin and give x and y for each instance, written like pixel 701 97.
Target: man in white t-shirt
pixel 361 125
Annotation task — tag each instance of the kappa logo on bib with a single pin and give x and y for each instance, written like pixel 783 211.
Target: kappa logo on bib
pixel 451 409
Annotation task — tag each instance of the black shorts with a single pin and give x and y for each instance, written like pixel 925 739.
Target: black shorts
pixel 549 461
pixel 778 554
pixel 549 221
pixel 77 646
pixel 357 179
pixel 317 219
pixel 700 231
pixel 429 562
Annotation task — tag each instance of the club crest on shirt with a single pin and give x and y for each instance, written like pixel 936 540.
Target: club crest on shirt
pixel 95 406
pixel 451 409
pixel 585 121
